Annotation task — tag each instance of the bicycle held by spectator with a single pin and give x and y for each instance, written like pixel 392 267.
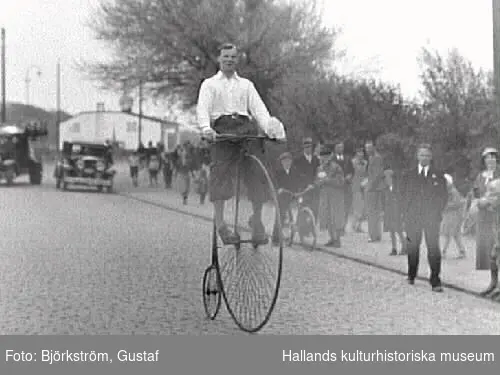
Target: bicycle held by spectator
pixel 245 274
pixel 299 220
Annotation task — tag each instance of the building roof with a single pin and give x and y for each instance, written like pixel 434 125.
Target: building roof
pixel 11 129
pixel 151 118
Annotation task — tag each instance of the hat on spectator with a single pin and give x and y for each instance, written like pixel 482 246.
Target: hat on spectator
pixel 489 150
pixel 286 155
pixel 326 149
pixel 307 141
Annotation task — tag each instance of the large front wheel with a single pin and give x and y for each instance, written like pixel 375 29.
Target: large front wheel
pixel 250 275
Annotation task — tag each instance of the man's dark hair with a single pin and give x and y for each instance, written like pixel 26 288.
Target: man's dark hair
pixel 227 46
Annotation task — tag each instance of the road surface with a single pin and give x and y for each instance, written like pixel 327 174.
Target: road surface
pixel 81 262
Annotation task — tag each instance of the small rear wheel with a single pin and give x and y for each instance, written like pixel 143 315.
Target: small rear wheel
pixel 211 292
pixel 9 177
pixel 35 174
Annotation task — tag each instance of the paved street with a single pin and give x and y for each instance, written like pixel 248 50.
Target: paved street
pixel 88 263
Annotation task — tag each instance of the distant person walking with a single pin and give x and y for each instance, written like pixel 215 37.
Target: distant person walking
pixel 134 162
pixel 374 192
pixel 360 166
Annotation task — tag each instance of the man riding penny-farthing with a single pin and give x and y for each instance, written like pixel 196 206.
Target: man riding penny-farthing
pixel 246 264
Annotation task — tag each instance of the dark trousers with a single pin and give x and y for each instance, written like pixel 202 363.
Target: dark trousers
pixel 284 201
pixel 347 202
pixel 167 176
pixel 374 212
pixel 225 159
pixel 414 233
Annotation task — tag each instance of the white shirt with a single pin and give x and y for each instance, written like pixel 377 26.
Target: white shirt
pixel 220 96
pixel 425 169
pixel 340 157
pixel 488 175
pixel 308 158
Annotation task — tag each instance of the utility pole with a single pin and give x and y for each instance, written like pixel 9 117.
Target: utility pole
pixel 140 112
pixel 4 94
pixel 496 52
pixel 58 103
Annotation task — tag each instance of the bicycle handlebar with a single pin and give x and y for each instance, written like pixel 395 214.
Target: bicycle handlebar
pixel 234 137
pixel 297 195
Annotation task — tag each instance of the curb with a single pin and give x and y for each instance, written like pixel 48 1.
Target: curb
pixel 319 249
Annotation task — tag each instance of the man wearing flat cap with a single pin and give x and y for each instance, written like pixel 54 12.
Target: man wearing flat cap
pixel 307 165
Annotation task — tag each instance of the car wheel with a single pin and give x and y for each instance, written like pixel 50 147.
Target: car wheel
pixel 35 174
pixel 9 177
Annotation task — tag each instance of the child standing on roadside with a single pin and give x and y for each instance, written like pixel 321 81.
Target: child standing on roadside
pixel 134 162
pixel 392 212
pixel 453 217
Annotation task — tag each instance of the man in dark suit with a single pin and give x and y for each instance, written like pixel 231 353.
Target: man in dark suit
pixel 374 192
pixel 345 163
pixel 286 178
pixel 425 196
pixel 307 166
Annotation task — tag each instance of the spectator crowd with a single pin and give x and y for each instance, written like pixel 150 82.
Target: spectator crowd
pixel 363 187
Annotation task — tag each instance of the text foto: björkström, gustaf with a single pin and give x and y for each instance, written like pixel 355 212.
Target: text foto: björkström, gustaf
pixel 385 356
pixel 67 356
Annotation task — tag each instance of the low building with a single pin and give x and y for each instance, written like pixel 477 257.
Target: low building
pixel 120 127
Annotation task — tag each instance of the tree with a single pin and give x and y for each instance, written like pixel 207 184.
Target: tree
pixel 459 106
pixel 328 106
pixel 171 45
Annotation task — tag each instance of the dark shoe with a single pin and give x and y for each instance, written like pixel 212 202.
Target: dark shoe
pixel 393 252
pixel 373 240
pixel 411 281
pixel 437 289
pixel 227 236
pixel 329 243
pixel 337 244
pixel 184 200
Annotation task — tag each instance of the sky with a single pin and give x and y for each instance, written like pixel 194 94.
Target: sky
pixel 382 38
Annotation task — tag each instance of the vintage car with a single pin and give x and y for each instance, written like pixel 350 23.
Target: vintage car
pixel 85 164
pixel 18 153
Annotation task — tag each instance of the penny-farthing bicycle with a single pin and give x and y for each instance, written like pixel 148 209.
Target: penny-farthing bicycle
pixel 245 274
